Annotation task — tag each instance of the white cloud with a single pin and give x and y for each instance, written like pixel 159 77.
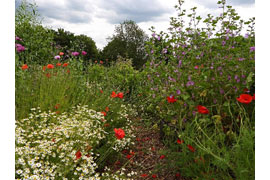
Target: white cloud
pixel 97 19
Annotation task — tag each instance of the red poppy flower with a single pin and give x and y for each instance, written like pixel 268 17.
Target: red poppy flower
pixel 61 53
pixel 65 64
pixel 192 149
pixel 180 141
pixel 58 64
pixel 154 176
pixel 253 97
pixel 119 133
pixel 50 66
pixel 177 174
pixel 101 62
pixel 78 154
pixel 44 68
pixel 101 91
pixel 120 95
pixel 171 99
pixel 162 157
pixel 202 109
pixel 114 95
pixel 104 113
pixel 129 156
pixel 56 106
pixel 107 109
pixel 48 75
pixel 144 175
pixel 245 90
pixel 245 98
pixel 24 67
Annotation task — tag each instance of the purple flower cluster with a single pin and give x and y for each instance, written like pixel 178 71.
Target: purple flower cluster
pixel 19 48
pixel 75 53
pixel 84 53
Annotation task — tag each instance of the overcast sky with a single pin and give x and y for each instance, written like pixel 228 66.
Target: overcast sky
pixel 98 18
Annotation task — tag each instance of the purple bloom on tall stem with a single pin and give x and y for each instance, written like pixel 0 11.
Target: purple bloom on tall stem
pixel 221 91
pixel 19 48
pixel 57 57
pixel 178 92
pixel 223 43
pixel 84 53
pixel 18 39
pixel 179 63
pixel 190 83
pixel 158 37
pixel 152 51
pixel 246 35
pixel 75 53
pixel 241 59
pixel 252 48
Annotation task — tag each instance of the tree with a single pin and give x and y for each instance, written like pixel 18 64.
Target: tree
pixel 128 42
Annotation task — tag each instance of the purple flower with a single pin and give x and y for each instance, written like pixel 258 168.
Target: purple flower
pixel 215 101
pixel 154 35
pixel 19 48
pixel 183 52
pixel 172 79
pixel 194 113
pixel 190 83
pixel 178 92
pixel 179 63
pixel 252 48
pixel 152 51
pixel 84 53
pixel 221 91
pixel 223 43
pixel 241 59
pixel 18 39
pixel 57 57
pixel 158 37
pixel 75 53
pixel 164 51
pixel 229 77
pixel 154 95
pixel 246 35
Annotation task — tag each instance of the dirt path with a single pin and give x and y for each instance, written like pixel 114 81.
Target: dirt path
pixel 144 158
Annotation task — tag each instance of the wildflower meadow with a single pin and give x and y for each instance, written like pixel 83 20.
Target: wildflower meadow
pixel 186 111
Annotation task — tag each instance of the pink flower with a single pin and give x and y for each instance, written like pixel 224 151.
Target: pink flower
pixel 84 53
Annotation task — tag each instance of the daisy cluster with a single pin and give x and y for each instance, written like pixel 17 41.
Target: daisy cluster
pixel 52 146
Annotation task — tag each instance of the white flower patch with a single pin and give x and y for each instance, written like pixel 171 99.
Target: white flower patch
pixel 51 146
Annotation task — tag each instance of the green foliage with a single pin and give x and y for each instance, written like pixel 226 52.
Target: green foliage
pixel 36 39
pixel 128 42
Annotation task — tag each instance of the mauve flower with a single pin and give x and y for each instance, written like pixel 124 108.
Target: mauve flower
pixel 158 37
pixel 223 43
pixel 190 83
pixel 57 57
pixel 252 48
pixel 152 51
pixel 75 53
pixel 19 48
pixel 178 92
pixel 164 51
pixel 221 91
pixel 229 77
pixel 84 53
pixel 241 59
pixel 18 39
pixel 153 35
pixel 179 63
pixel 154 95
pixel 246 35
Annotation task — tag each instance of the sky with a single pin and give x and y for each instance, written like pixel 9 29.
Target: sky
pixel 98 18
